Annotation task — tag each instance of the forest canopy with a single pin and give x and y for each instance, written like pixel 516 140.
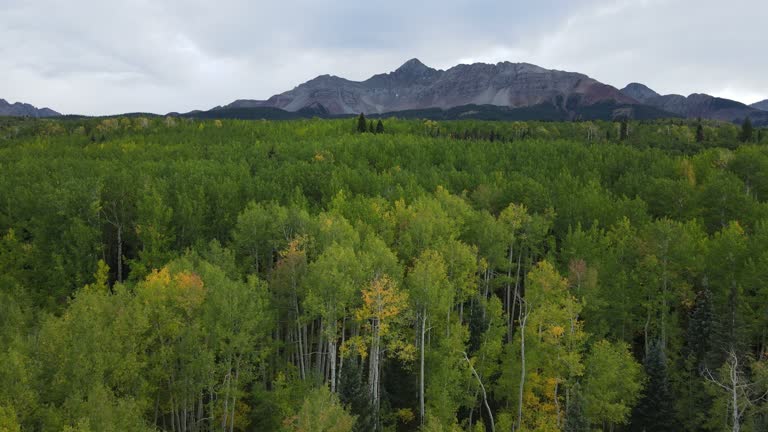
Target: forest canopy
pixel 320 275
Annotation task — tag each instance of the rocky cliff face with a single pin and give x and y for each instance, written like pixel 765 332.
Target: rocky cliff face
pixel 417 86
pixel 19 109
pixel 696 105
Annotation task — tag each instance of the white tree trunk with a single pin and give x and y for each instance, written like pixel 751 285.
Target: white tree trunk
pixel 421 368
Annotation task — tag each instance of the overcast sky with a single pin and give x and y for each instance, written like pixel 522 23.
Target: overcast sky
pixel 110 56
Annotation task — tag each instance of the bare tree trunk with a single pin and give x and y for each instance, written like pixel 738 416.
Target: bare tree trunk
pixel 664 283
pixel 228 378
pixel 508 300
pixel 373 371
pixel 119 252
pixel 524 312
pixel 332 356
pixel 343 339
pixel 302 369
pixel 234 395
pixel 485 396
pixel 421 367
pixel 516 295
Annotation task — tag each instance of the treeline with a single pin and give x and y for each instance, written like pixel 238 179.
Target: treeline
pixel 169 274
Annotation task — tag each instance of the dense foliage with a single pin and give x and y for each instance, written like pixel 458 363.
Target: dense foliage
pixel 309 275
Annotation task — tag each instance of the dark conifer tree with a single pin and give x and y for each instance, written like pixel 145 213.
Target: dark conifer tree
pixel 746 130
pixel 379 127
pixel 699 133
pixel 371 129
pixel 361 123
pixel 700 329
pixel 624 130
pixel 353 394
pixel 575 418
pixel 655 411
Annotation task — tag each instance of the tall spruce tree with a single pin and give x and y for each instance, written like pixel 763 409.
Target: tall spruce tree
pixel 655 412
pixel 575 418
pixel 746 130
pixel 362 125
pixel 700 329
pixel 624 130
pixel 699 133
pixel 379 127
pixel 353 394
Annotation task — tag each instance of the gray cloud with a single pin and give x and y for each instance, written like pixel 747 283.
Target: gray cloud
pixel 98 56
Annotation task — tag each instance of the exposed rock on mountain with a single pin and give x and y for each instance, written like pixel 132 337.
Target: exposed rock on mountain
pixel 416 86
pixel 19 109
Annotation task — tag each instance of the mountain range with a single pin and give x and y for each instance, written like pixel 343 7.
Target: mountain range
pixel 19 109
pixel 493 91
pixel 501 91
pixel 417 86
pixel 698 105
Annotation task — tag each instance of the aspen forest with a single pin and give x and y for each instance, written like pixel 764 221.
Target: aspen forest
pixel 327 275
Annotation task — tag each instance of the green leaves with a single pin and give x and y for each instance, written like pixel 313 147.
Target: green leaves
pixel 320 412
pixel 262 260
pixel 612 383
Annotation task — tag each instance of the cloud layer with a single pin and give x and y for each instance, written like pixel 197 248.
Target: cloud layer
pixel 102 57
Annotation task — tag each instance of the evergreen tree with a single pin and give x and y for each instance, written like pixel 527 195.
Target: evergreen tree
pixel 700 328
pixel 575 419
pixel 361 123
pixel 477 322
pixel 624 130
pixel 746 130
pixel 379 127
pixel 699 133
pixel 354 395
pixel 759 136
pixel 655 412
pixel 371 129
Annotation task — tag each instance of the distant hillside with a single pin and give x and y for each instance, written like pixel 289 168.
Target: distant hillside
pixel 697 105
pixel 547 112
pixel 762 105
pixel 20 109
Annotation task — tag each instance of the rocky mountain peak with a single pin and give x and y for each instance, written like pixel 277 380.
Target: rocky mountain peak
pixel 639 92
pixel 24 110
pixel 414 66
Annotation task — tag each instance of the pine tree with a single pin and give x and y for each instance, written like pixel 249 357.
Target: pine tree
pixel 699 133
pixel 575 419
pixel 655 412
pixel 361 123
pixel 624 130
pixel 700 329
pixel 353 394
pixel 371 129
pixel 379 127
pixel 746 130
